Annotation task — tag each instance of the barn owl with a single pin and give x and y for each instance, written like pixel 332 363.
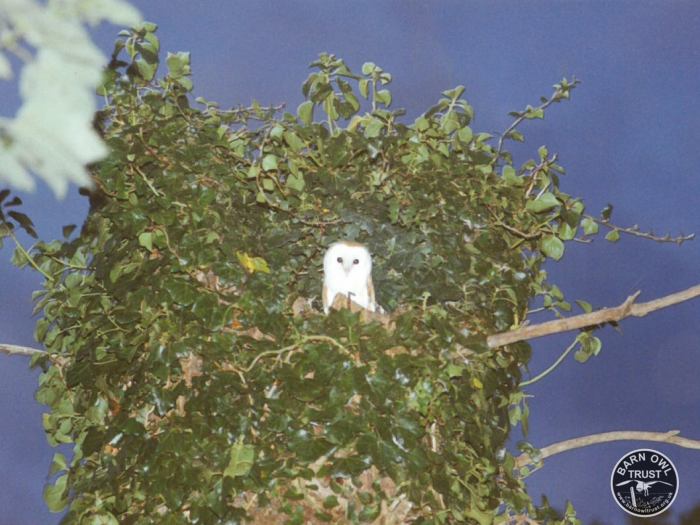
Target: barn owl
pixel 347 269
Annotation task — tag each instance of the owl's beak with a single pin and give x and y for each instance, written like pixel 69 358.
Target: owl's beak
pixel 347 266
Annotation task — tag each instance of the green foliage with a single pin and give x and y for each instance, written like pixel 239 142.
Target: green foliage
pixel 51 134
pixel 186 380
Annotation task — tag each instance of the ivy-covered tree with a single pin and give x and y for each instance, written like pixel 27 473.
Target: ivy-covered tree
pixel 188 362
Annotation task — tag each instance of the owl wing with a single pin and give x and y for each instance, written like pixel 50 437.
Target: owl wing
pixel 372 304
pixel 325 298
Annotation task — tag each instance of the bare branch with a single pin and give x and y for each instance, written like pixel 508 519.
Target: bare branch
pixel 19 350
pixel 606 315
pixel 670 437
pixel 560 93
pixel 517 232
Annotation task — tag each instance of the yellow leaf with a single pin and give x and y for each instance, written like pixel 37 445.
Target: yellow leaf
pixel 476 383
pixel 252 264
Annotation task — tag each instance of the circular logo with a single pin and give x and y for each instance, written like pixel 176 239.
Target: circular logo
pixel 644 483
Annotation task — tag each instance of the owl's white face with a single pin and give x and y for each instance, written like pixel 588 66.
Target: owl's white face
pixel 347 269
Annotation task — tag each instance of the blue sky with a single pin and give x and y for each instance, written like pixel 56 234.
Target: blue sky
pixel 629 136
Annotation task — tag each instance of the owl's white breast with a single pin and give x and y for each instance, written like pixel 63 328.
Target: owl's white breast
pixel 354 287
pixel 347 277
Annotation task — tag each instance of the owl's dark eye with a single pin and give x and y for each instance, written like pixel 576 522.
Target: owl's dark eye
pixel 340 260
pixel 356 261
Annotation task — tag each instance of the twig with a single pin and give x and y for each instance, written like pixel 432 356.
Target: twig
pixel 670 437
pixel 552 367
pixel 29 258
pixel 542 166
pixel 515 231
pixel 290 348
pixel 147 181
pixel 634 230
pixel 247 112
pixel 556 97
pixel 606 315
pixel 19 350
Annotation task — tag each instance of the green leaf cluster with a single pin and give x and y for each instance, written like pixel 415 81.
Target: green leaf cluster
pixel 191 389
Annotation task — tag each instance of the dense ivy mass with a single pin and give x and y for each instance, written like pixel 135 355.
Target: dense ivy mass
pixel 189 365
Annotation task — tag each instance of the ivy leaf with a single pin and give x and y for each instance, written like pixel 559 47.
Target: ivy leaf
pixel 511 177
pixel 364 87
pixel 590 227
pixel 606 212
pixel 454 371
pixel 368 68
pixel 566 232
pixel 613 236
pixel 374 128
pixel 585 306
pixel 552 247
pixel 306 112
pixel 103 518
pixel 56 495
pixel 178 64
pixel 58 464
pixel 24 222
pixel 146 240
pixel 516 136
pixel 589 346
pixel 293 140
pixel 68 229
pixel 535 113
pixel 384 97
pixel 241 459
pixel 465 134
pixel 146 69
pixel 269 162
pixel 296 182
pixel 544 202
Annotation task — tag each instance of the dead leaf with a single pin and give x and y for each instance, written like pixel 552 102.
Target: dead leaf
pixel 209 279
pixel 257 334
pixel 353 404
pixel 302 307
pixel 114 407
pixel 396 350
pixel 191 368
